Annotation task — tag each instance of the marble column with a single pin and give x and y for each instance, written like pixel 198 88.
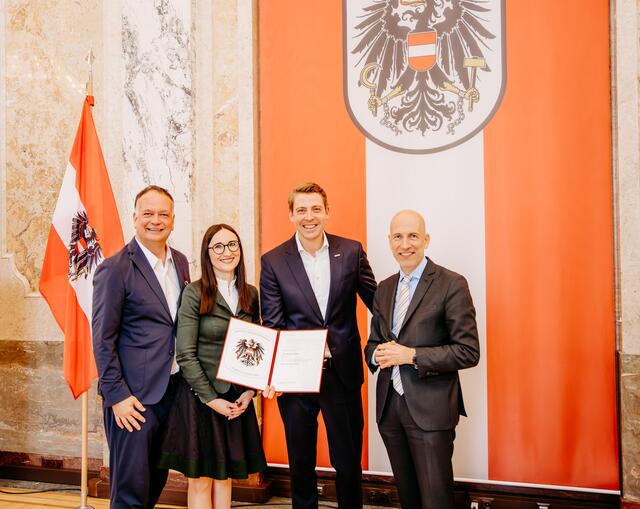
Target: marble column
pixel 626 151
pixel 157 110
pixel 225 120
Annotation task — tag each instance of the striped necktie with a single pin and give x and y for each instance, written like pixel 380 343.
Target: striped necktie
pixel 402 304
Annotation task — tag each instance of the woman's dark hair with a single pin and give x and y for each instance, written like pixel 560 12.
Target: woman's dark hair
pixel 209 282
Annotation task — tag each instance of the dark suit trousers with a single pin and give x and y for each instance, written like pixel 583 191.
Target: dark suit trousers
pixel 342 414
pixel 420 460
pixel 134 480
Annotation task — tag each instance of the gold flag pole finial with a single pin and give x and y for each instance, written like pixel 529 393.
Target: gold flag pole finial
pixel 90 58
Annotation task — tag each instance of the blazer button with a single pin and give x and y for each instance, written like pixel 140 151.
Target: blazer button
pixel 170 352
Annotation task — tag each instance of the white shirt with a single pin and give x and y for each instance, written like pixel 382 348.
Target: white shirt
pixel 229 293
pixel 318 269
pixel 168 278
pixel 414 278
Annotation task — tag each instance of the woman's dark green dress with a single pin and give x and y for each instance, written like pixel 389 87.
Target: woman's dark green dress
pixel 198 441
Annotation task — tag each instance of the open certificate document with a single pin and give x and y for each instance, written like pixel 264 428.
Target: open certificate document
pixel 298 363
pixel 256 356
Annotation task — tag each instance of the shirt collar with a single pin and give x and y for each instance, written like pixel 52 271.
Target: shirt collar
pixel 223 283
pixel 417 272
pixel 325 243
pixel 151 258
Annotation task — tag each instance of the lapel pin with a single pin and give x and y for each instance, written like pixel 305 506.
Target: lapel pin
pixel 336 255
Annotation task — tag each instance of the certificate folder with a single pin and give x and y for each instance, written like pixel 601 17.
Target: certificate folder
pixel 255 356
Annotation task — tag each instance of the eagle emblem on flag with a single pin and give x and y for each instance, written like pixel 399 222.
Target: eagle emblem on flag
pixel 423 75
pixel 85 252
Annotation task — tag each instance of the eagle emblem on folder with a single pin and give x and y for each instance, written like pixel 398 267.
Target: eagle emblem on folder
pixel 249 352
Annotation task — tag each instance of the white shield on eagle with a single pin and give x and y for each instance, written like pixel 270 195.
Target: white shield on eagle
pixel 422 76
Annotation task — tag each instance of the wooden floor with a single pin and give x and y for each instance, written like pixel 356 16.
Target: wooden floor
pixel 50 500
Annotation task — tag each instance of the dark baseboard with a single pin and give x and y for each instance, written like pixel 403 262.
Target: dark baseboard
pixel 177 495
pixel 257 490
pixel 377 490
pixel 43 474
pixel 381 490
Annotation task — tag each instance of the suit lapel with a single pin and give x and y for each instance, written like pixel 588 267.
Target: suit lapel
pixel 140 261
pixel 426 279
pixel 389 301
pixel 181 269
pixel 335 265
pixel 300 275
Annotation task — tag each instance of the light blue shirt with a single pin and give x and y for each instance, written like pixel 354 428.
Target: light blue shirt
pixel 414 278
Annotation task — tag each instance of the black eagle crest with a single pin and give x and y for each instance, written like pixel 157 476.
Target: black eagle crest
pixel 461 33
pixel 85 252
pixel 249 352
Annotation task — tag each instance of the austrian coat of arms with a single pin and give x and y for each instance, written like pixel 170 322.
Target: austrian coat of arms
pixel 422 76
pixel 249 352
pixel 85 253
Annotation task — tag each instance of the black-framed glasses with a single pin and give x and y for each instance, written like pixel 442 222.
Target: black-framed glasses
pixel 232 245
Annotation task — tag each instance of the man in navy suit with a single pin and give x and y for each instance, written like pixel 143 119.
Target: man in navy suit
pixel 311 282
pixel 135 300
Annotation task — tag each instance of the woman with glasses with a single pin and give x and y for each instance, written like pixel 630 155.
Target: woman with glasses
pixel 212 433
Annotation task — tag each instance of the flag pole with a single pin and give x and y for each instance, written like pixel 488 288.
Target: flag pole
pixel 84 467
pixel 85 452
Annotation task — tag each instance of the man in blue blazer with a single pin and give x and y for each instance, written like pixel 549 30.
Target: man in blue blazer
pixel 311 282
pixel 135 300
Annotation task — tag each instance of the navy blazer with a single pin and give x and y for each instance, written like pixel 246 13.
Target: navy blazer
pixel 288 302
pixel 133 331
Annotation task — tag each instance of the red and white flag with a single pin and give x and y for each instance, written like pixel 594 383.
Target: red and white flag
pixel 85 229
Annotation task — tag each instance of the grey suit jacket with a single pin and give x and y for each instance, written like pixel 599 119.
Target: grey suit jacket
pixel 440 324
pixel 200 338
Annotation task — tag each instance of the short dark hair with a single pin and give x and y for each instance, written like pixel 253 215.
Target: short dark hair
pixel 308 188
pixel 148 189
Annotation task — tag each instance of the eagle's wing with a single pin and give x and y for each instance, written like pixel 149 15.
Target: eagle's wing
pixel 461 33
pixel 259 352
pixel 241 348
pixel 381 43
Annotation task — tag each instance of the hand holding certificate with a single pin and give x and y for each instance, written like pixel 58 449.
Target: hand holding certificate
pixel 257 357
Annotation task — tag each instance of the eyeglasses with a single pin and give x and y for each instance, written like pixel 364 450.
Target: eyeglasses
pixel 218 248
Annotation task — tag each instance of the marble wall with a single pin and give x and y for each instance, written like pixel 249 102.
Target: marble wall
pixel 174 89
pixel 41 93
pixel 44 85
pixel 626 156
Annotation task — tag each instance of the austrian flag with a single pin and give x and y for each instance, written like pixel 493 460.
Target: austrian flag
pixel 85 229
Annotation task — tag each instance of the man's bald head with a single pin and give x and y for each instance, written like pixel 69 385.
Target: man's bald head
pixel 408 239
pixel 409 215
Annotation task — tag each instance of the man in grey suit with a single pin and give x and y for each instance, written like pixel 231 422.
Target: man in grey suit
pixel 423 331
